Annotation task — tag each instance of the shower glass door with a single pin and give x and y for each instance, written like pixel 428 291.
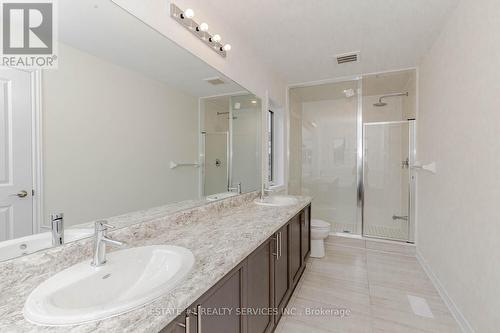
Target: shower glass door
pixel 329 115
pixel 386 179
pixel 216 164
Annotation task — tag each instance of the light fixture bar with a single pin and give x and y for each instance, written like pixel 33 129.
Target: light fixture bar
pixel 187 22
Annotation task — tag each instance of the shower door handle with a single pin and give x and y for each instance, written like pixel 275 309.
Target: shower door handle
pixel 405 164
pixel 360 192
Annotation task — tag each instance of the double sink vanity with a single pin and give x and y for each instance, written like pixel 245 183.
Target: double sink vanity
pixel 228 266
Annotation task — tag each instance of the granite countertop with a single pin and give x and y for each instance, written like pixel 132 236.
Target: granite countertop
pixel 220 235
pixel 145 215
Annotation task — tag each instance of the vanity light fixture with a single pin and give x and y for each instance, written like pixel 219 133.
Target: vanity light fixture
pixel 185 18
pixel 215 38
pixel 203 27
pixel 188 13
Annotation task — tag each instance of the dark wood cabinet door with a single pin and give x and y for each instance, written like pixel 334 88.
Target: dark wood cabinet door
pixel 259 285
pixel 177 326
pixel 306 230
pixel 219 311
pixel 281 272
pixel 265 280
pixel 295 248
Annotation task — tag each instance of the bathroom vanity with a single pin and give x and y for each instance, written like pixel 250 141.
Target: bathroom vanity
pixel 247 257
pixel 253 296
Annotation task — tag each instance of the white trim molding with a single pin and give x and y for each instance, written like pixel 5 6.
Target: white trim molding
pixel 37 149
pixel 455 311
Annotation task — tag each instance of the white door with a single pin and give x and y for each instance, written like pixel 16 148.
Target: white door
pixel 16 208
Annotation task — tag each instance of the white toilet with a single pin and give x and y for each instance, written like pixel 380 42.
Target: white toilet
pixel 319 231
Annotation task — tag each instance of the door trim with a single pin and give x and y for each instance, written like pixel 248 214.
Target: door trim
pixel 37 149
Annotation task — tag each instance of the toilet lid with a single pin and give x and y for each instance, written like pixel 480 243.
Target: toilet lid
pixel 319 223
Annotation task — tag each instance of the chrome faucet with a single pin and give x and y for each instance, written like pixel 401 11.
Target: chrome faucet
pixel 57 228
pixel 237 188
pixel 264 191
pixel 100 241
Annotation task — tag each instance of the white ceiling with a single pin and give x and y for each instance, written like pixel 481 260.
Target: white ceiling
pixel 298 39
pixel 102 29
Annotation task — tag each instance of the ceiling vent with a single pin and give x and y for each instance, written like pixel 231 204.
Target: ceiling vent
pixel 215 81
pixel 347 57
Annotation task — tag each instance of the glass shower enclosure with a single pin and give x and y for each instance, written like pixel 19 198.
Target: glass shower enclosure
pixel 353 155
pixel 387 181
pixel 230 143
pixel 329 172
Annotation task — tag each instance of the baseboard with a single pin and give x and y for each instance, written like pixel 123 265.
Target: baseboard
pixel 372 239
pixel 459 317
pixel 341 234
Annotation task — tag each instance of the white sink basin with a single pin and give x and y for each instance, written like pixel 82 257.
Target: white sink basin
pixel 129 279
pixel 25 245
pixel 277 201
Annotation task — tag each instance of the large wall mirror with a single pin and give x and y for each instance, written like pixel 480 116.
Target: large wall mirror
pixel 128 122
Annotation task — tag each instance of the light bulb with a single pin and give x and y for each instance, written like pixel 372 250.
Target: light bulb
pixel 216 38
pixel 189 13
pixel 203 27
pixel 254 101
pixel 227 47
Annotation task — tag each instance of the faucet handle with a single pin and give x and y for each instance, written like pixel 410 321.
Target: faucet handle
pixel 101 225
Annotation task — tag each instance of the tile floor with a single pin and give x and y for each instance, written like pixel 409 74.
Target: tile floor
pixel 370 282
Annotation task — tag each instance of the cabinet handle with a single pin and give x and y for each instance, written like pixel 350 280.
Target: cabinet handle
pixel 198 318
pixel 276 245
pixel 280 244
pixel 187 325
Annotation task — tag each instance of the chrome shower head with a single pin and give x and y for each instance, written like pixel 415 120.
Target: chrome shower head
pixel 380 103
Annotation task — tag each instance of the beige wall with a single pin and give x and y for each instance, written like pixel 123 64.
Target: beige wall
pixel 109 135
pixel 459 128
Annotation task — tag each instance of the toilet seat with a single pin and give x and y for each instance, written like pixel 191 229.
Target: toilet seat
pixel 319 232
pixel 319 224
